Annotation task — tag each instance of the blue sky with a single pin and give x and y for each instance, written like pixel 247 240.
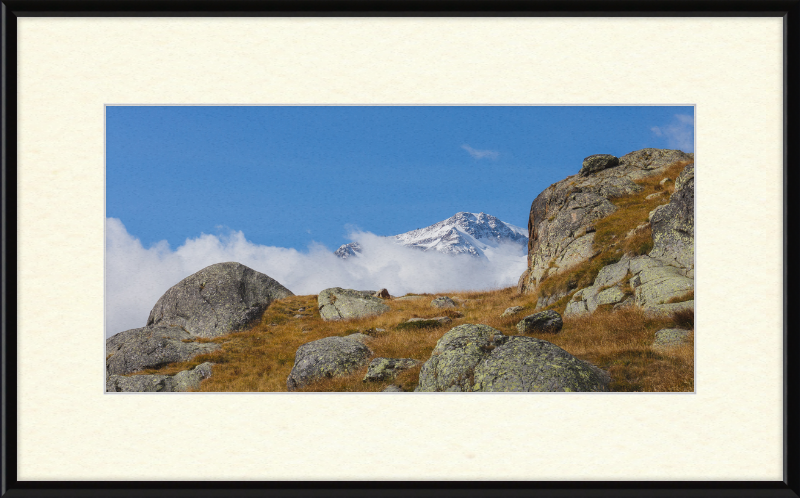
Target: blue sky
pixel 279 188
pixel 288 176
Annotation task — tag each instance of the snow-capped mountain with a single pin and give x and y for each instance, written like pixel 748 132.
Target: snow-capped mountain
pixel 464 233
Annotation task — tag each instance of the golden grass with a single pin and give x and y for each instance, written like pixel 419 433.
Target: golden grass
pixel 261 358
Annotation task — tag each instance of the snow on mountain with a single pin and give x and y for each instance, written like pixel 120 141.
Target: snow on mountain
pixel 464 233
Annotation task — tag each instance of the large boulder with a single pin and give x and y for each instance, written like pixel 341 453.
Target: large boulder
pixel 562 217
pixel 151 347
pixel 328 357
pixel 526 364
pixel 598 162
pixel 183 381
pixel 341 304
pixel 217 300
pixel 479 358
pixel 673 224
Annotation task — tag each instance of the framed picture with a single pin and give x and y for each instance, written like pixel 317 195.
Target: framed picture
pixel 69 66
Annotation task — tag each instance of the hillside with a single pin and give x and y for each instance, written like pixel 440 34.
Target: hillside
pixel 608 297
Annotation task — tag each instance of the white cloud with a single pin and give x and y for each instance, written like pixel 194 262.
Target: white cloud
pixel 480 154
pixel 679 133
pixel 136 277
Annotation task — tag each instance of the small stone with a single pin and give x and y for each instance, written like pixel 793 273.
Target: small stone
pixel 443 302
pixel 511 311
pixel 545 321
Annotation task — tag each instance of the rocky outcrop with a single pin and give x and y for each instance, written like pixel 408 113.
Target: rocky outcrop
pixel 562 217
pixel 387 368
pixel 673 224
pixel 479 358
pixel 545 321
pixel 328 357
pixel 217 300
pixel 653 283
pixel 343 304
pixel 187 380
pixel 151 347
pixel 443 302
pixel 667 339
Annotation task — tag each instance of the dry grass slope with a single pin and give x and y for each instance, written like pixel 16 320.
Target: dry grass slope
pixel 261 358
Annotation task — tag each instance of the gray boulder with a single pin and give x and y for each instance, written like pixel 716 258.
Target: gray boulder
pixel 393 388
pixel 526 364
pixel 217 300
pixel 443 302
pixel 548 321
pixel 328 357
pixel 151 347
pixel 667 339
pixel 342 304
pixel 181 382
pixel 388 368
pixel 598 162
pixel 479 358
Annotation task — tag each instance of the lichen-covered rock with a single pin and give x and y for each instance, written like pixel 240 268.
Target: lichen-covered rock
pixel 548 321
pixel 512 311
pixel 457 353
pixel 443 302
pixel 328 357
pixel 183 381
pixel 217 300
pixel 563 214
pixel 667 339
pixel 659 284
pixel 342 304
pixel 393 388
pixel 151 347
pixel 673 224
pixel 598 162
pixel 479 358
pixel 358 336
pixel 388 368
pixel 668 309
pixel 526 364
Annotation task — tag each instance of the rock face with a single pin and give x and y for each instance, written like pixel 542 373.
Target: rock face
pixel 342 304
pixel 673 224
pixel 217 300
pixel 562 217
pixel 443 302
pixel 388 368
pixel 667 339
pixel 479 358
pixel 652 281
pixel 598 162
pixel 181 382
pixel 328 357
pixel 547 321
pixel 151 347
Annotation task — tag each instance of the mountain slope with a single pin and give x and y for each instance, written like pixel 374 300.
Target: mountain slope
pixel 463 233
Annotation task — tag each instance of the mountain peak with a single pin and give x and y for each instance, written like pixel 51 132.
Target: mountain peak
pixel 462 233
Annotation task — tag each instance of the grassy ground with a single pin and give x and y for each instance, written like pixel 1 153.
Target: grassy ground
pixel 260 359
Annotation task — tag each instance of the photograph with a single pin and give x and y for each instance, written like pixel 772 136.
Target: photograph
pixel 399 248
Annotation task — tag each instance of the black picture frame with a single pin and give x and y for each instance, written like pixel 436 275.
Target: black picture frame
pixel 13 9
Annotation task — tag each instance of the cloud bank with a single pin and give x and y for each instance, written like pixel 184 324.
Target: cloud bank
pixel 481 154
pixel 137 276
pixel 679 134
